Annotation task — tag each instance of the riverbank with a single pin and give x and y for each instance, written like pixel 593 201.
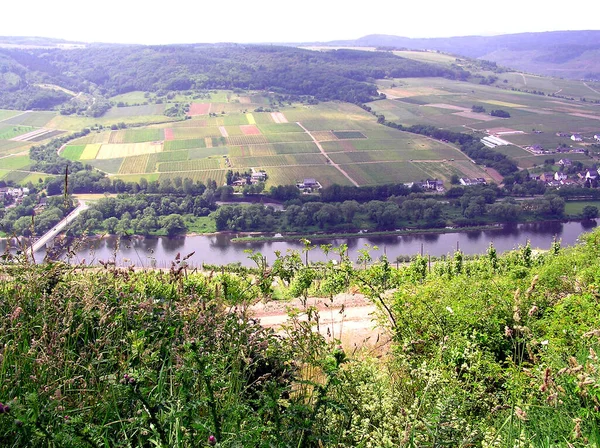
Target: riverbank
pixel 360 234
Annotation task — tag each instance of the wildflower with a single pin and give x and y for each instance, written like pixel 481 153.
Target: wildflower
pixel 534 309
pixel 450 310
pixel 508 331
pixel 577 429
pixel 212 440
pixel 520 413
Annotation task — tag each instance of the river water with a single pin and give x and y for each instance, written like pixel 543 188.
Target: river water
pixel 219 249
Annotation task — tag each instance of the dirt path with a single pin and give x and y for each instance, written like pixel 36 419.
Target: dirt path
pixel 349 318
pixel 326 156
pixel 591 88
pixel 524 79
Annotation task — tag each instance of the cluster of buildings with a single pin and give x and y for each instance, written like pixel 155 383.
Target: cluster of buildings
pixel 14 194
pixel 429 184
pixel 559 178
pixel 538 149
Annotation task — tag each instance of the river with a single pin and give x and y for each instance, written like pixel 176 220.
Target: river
pixel 219 249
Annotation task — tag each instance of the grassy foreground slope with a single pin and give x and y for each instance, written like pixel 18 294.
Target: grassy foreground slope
pixel 495 351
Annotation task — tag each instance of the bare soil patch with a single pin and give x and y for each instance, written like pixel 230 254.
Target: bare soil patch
pixel 250 129
pixel 199 109
pixel 223 131
pixel 169 134
pixel 278 117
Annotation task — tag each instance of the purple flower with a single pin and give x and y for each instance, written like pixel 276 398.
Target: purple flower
pixel 212 440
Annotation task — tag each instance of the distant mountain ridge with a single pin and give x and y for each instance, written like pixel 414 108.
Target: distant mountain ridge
pixel 569 54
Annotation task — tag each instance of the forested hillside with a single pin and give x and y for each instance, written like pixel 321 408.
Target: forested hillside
pixel 494 351
pixel 343 75
pixel 569 54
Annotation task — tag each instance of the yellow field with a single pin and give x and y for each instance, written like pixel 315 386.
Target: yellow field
pixel 502 103
pixel 250 118
pixel 113 151
pixel 90 152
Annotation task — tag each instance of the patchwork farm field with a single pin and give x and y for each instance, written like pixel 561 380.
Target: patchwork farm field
pixel 534 119
pixel 206 147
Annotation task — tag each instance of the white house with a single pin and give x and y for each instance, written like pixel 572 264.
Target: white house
pixel 559 175
pixel 577 138
pixel 597 137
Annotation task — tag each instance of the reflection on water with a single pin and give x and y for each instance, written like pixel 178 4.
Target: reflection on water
pixel 218 249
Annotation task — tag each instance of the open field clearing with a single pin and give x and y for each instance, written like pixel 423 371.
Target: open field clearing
pixel 174 145
pixel 73 152
pixel 190 165
pixel 279 117
pixel 384 172
pixel 35 119
pixel 94 137
pixel 279 128
pixel 250 129
pixel 9 132
pixel 34 178
pixel 134 165
pixel 110 151
pixel 279 160
pixel 288 138
pixel 135 111
pixel 6 114
pixel 151 163
pixel 90 152
pixel 247 140
pixel 223 131
pixel 236 119
pixel 9 147
pixel 199 109
pixel 169 135
pixel 192 133
pixel 427 56
pixel 201 153
pixel 349 134
pixel 77 123
pixel 203 176
pixel 326 175
pixel 13 176
pixel 173 156
pixel 263 118
pixel 135 97
pixel 15 163
pixel 323 136
pixel 136 135
pixel 250 118
pixel 110 166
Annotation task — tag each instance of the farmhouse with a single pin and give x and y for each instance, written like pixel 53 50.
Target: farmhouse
pixel 565 162
pixel 309 184
pixel 597 137
pixel 547 177
pixel 591 175
pixel 577 138
pixel 559 175
pixel 258 176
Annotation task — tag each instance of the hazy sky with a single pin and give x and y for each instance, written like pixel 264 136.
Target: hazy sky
pixel 183 21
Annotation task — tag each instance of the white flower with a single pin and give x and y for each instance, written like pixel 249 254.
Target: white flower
pixel 450 310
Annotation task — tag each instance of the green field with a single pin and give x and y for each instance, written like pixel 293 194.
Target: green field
pixel 73 152
pixel 15 163
pixel 34 119
pixel 576 207
pixel 8 132
pixel 175 145
pixel 135 111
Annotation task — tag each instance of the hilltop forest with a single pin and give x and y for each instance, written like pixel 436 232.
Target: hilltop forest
pixel 110 70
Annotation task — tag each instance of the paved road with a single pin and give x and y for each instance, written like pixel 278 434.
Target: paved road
pixel 41 242
pixel 327 157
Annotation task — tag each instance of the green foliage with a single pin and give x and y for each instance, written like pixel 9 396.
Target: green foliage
pixel 494 350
